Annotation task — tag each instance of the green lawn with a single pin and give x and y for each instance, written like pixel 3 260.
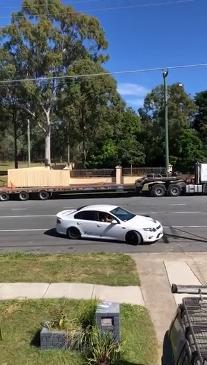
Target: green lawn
pixel 20 322
pixel 108 269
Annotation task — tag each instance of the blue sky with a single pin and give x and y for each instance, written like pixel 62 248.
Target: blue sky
pixel 146 34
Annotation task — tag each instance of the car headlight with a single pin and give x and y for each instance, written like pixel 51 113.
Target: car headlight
pixel 150 229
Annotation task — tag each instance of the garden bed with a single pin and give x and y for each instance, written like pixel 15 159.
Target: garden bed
pixel 20 324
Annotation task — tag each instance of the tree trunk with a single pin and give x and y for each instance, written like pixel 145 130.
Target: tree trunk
pixel 15 141
pixel 48 139
pixel 48 147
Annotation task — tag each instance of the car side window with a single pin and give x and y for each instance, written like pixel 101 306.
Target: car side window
pixel 106 217
pixel 89 215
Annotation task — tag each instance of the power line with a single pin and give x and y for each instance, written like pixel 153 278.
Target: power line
pixel 166 3
pixel 78 76
pixel 43 6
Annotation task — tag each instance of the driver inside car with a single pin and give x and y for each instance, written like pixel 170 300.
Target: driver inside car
pixel 105 217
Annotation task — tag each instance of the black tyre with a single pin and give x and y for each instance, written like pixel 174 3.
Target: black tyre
pixel 158 190
pixel 73 233
pixel 174 190
pixel 134 238
pixel 4 197
pixel 23 195
pixel 44 195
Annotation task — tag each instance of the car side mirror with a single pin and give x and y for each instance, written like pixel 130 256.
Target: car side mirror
pixel 114 221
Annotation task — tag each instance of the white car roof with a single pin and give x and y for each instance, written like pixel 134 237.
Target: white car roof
pixel 102 208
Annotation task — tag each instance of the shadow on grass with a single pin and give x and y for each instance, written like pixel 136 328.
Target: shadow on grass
pixel 36 339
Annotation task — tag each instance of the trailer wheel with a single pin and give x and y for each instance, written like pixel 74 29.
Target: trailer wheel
pixel 158 190
pixel 44 195
pixel 174 190
pixel 4 197
pixel 23 195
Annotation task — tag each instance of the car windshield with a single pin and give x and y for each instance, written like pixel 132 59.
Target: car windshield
pixel 122 214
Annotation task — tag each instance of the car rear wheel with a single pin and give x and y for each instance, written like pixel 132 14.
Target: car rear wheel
pixel 73 233
pixel 134 238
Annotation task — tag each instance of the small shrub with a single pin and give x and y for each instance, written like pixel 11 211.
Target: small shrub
pixel 99 348
pixel 86 316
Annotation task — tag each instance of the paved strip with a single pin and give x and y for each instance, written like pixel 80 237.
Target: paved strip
pixel 156 293
pixel 126 294
pixel 181 274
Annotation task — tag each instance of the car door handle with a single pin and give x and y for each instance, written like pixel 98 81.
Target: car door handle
pixel 78 224
pixel 99 225
pixel 123 227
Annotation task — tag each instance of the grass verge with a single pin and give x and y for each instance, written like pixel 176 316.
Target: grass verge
pixel 20 322
pixel 106 269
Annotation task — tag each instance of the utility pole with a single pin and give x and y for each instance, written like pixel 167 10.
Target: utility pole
pixel 29 144
pixel 165 74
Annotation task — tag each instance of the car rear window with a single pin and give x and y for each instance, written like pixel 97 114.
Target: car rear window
pixel 89 215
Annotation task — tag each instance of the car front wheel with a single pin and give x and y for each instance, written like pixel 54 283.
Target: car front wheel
pixel 134 238
pixel 73 233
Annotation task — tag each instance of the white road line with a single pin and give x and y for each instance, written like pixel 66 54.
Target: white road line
pixel 185 226
pixel 177 204
pixel 188 212
pixel 27 216
pixel 24 230
pixel 19 208
pixel 168 212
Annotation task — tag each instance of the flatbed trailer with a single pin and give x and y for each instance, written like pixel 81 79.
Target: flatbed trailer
pixel 46 192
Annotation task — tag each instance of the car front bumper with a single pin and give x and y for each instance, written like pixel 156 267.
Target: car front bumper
pixel 153 236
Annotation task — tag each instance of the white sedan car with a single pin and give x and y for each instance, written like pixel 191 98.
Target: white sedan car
pixel 108 222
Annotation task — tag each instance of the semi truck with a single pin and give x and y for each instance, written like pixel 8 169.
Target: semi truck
pixel 174 185
pixel 158 185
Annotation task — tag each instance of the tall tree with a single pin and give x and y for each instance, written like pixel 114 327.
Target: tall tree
pixel 45 39
pixel 90 108
pixel 181 112
pixel 200 122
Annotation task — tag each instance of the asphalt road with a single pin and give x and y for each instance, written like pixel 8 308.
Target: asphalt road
pixel 30 225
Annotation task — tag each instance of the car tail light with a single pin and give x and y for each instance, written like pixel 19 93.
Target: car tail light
pixel 58 221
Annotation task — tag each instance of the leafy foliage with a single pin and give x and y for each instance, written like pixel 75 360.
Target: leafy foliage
pixel 185 144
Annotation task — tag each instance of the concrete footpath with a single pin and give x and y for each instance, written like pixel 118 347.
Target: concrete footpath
pixel 120 294
pixel 157 273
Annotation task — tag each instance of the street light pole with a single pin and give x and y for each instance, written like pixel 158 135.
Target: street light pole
pixel 165 74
